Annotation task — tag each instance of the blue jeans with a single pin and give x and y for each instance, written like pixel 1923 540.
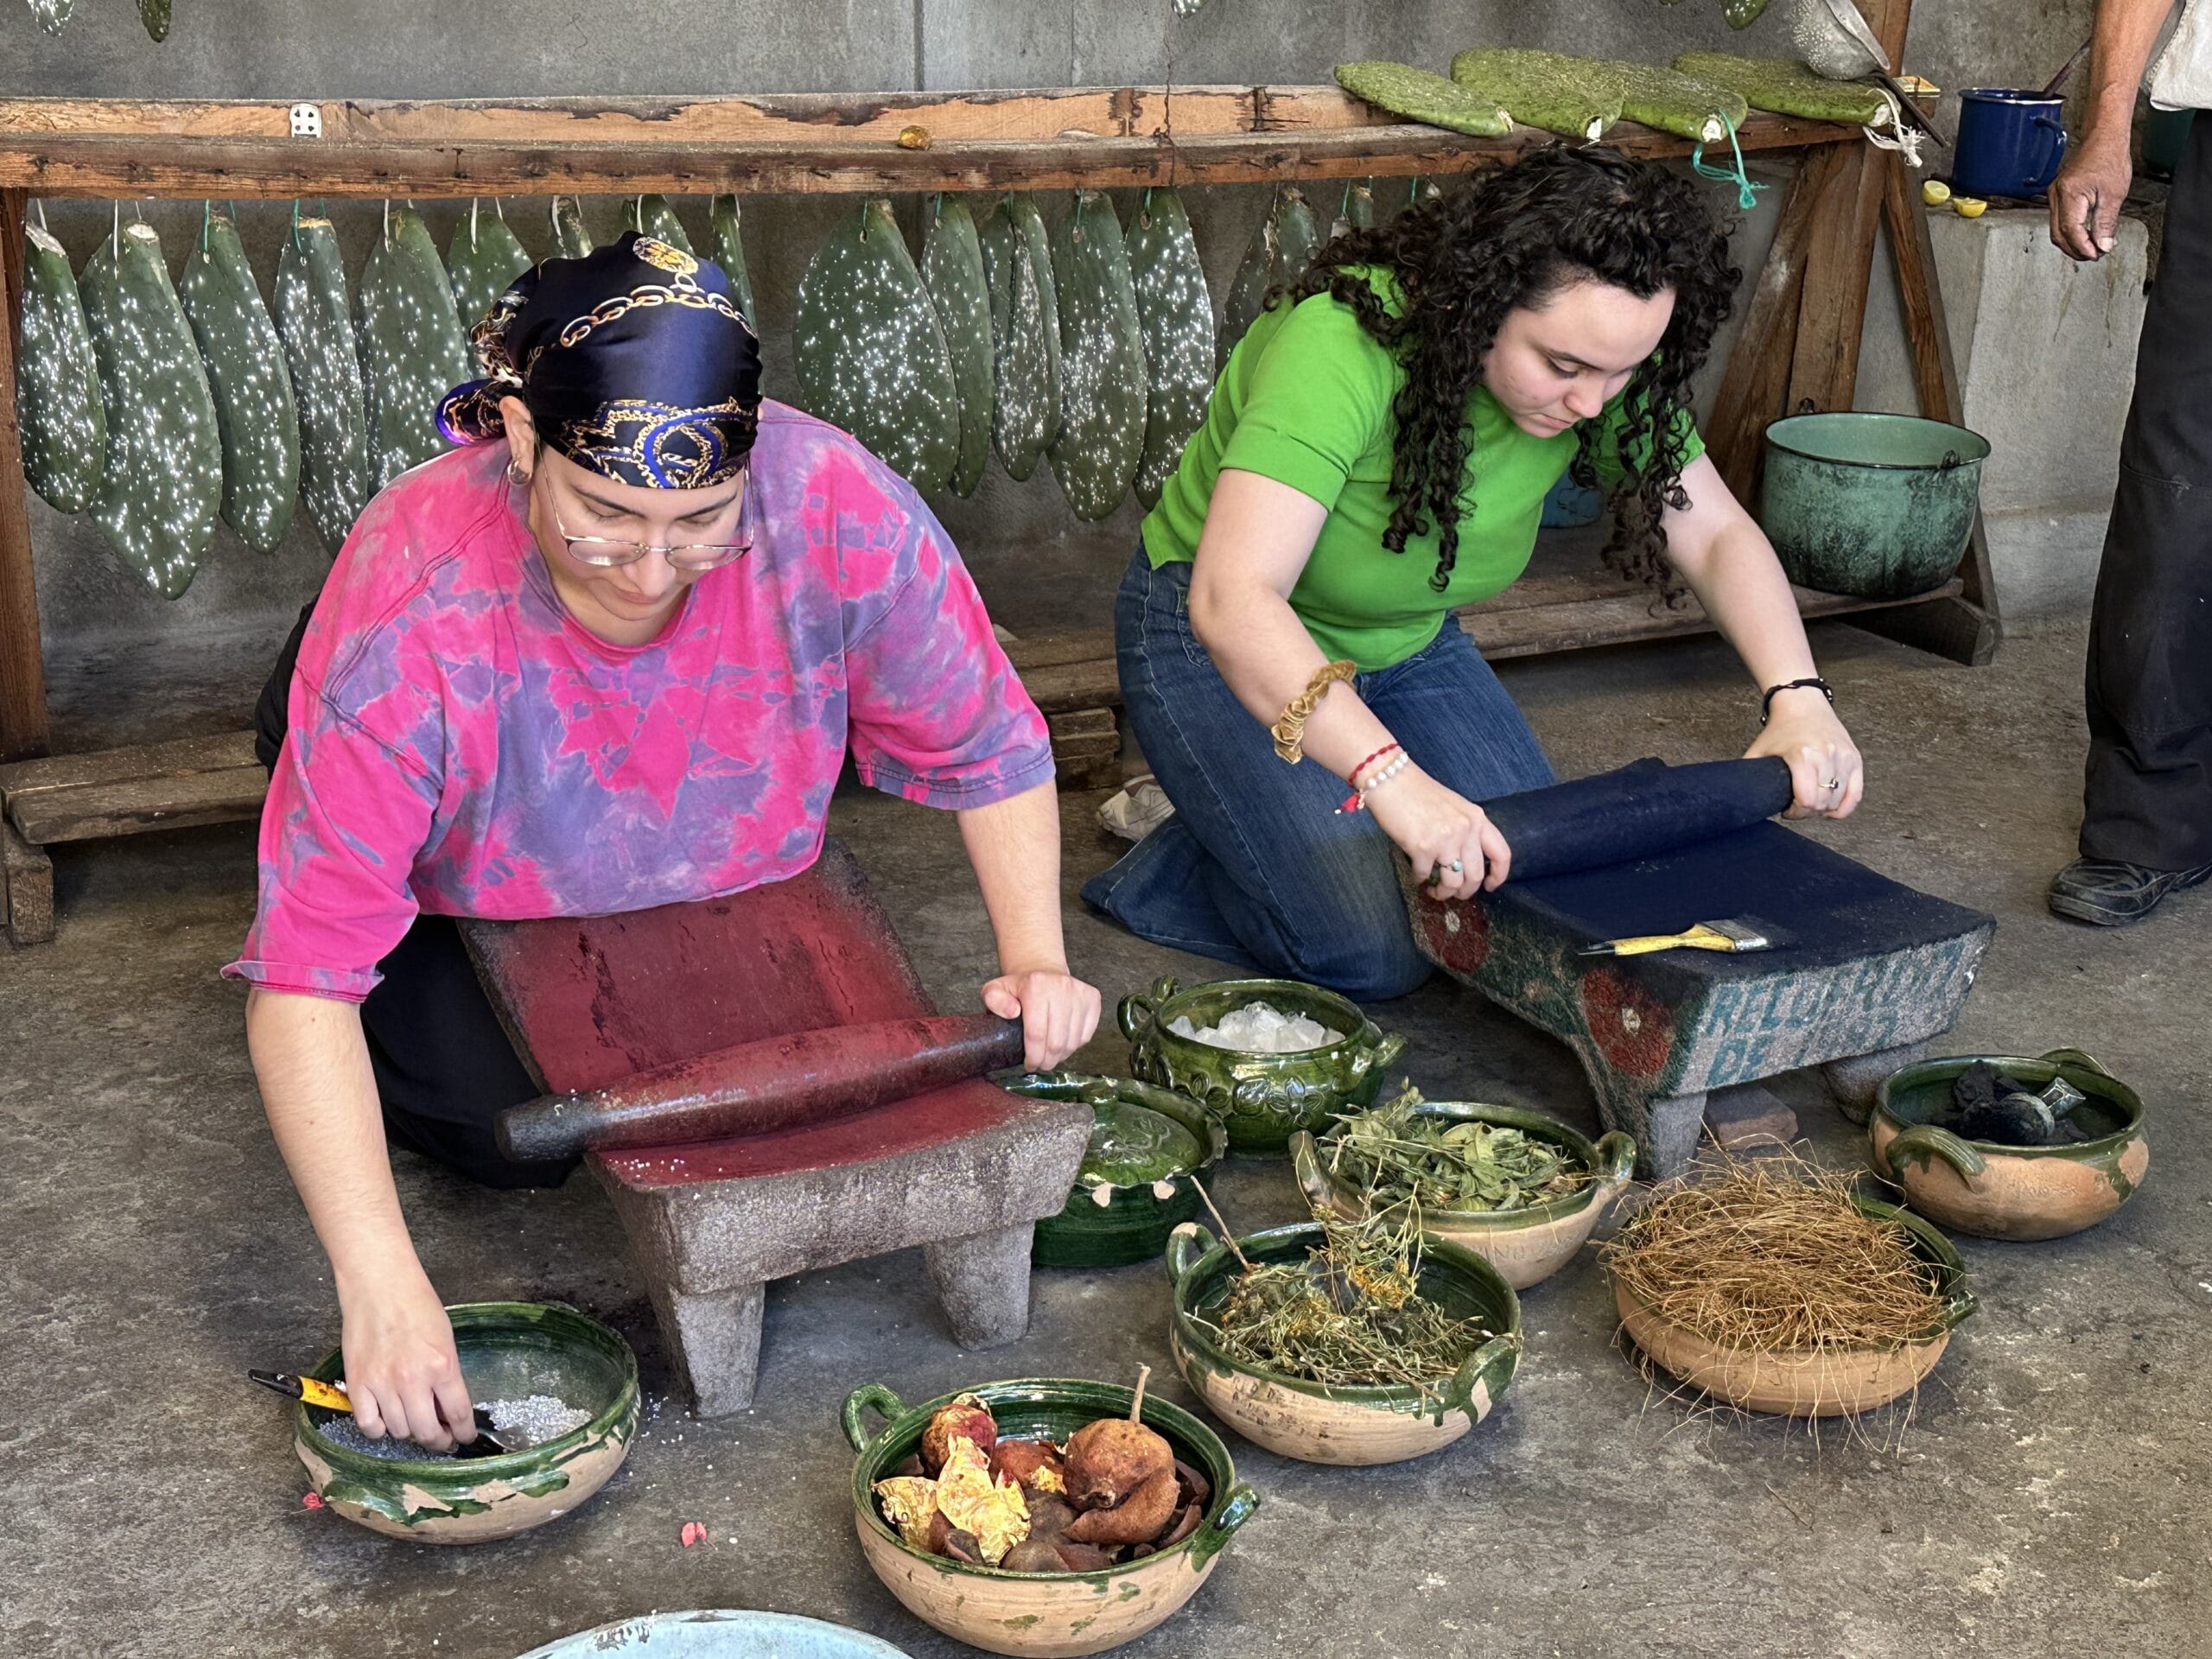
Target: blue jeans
pixel 1256 868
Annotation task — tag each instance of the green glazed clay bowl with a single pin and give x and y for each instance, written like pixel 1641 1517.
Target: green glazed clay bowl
pixel 1993 1190
pixel 1040 1613
pixel 1527 1245
pixel 1103 1224
pixel 1297 1419
pixel 508 1350
pixel 1264 1099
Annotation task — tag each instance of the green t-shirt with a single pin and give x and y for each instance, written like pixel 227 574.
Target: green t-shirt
pixel 1305 399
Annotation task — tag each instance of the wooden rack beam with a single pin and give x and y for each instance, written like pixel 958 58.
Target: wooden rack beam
pixel 1057 138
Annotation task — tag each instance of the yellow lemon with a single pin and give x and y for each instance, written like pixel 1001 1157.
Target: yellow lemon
pixel 1934 192
pixel 1968 206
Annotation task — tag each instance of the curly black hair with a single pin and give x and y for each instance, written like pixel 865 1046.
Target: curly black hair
pixel 1514 236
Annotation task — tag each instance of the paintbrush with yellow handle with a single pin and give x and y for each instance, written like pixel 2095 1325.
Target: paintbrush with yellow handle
pixel 1706 936
pixel 331 1396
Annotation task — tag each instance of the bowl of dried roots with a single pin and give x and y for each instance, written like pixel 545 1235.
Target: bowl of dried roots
pixel 1773 1285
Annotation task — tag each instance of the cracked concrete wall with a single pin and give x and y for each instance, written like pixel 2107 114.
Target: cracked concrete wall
pixel 410 48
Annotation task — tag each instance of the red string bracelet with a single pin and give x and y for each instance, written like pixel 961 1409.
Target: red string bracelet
pixel 1352 777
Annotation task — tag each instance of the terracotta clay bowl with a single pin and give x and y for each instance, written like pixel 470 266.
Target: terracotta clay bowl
pixel 1108 1225
pixel 1263 1099
pixel 508 1350
pixel 1527 1245
pixel 1299 1419
pixel 1838 1383
pixel 1994 1191
pixel 1045 1614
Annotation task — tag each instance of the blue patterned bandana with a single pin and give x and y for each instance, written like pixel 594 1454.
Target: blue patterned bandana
pixel 634 361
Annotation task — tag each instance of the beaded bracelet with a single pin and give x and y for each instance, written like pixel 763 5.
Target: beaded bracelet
pixel 1356 801
pixel 1290 730
pixel 1352 777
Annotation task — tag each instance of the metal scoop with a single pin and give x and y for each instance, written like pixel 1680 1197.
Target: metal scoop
pixel 331 1396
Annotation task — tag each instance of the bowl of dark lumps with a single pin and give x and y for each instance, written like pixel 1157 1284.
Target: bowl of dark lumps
pixel 2004 1147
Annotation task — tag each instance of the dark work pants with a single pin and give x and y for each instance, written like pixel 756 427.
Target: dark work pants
pixel 2148 799
pixel 444 1068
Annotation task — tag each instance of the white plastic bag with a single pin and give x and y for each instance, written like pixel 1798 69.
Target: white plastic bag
pixel 2181 78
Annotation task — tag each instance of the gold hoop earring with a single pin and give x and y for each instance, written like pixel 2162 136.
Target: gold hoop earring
pixel 515 476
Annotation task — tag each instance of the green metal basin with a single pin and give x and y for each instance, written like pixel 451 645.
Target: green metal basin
pixel 1873 506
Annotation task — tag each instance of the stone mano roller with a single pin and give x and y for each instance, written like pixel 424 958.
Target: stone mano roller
pixel 777 1083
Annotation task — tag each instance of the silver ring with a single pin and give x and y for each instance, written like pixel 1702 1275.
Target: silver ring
pixel 1457 866
pixel 1834 783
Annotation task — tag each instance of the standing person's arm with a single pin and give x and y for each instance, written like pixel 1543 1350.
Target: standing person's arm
pixel 402 1374
pixel 1014 846
pixel 2086 197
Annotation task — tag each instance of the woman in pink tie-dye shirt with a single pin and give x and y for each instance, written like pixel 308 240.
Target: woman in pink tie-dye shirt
pixel 610 655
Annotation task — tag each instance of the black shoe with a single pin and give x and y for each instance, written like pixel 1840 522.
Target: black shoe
pixel 2108 892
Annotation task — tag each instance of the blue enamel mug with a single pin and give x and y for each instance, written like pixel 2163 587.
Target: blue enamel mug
pixel 2010 142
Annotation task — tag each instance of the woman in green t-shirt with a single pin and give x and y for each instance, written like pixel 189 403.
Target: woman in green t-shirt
pixel 1376 452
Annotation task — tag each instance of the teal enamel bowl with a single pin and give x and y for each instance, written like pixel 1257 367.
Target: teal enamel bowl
pixel 1040 1613
pixel 721 1633
pixel 508 1350
pixel 1105 1225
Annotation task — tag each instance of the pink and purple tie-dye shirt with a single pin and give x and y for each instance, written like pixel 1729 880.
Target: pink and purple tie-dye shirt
pixel 460 745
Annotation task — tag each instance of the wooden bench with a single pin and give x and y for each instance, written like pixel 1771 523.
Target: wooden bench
pixel 173 786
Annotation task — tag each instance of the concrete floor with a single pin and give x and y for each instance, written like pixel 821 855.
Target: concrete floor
pixel 2047 1497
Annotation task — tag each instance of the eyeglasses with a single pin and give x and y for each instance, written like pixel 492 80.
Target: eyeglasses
pixel 606 554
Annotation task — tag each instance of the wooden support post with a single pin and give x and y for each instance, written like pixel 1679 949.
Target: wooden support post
pixel 1753 391
pixel 1966 628
pixel 1839 264
pixel 23 669
pixel 1840 259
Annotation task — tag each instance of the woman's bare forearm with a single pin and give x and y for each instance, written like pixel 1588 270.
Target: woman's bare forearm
pixel 313 1064
pixel 1258 535
pixel 1015 846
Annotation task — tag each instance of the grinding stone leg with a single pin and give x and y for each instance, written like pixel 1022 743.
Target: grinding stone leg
pixel 1851 1083
pixel 983 1281
pixel 1749 1120
pixel 27 874
pixel 715 1345
pixel 1670 1136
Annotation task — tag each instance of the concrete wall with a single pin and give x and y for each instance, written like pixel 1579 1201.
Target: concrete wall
pixel 411 49
pixel 2046 350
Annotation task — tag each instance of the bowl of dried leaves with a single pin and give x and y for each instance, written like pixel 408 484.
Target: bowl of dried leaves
pixel 1773 1285
pixel 1519 1189
pixel 1354 1342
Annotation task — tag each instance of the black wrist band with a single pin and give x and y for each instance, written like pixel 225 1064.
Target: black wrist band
pixel 1816 683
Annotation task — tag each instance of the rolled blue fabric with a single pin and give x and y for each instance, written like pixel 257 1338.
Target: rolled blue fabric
pixel 1641 811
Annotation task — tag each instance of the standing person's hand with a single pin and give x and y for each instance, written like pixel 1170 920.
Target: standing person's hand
pixel 1827 776
pixel 2086 197
pixel 1441 834
pixel 401 1371
pixel 1058 1011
